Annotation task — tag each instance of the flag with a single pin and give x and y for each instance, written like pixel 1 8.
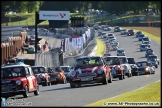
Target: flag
pixel 74 45
pixel 63 44
pixel 67 44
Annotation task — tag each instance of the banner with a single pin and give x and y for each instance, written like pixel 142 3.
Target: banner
pixel 84 38
pixel 74 45
pixel 67 44
pixel 79 42
pixel 63 44
pixel 89 32
pixel 82 41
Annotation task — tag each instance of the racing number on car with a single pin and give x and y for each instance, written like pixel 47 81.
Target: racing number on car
pixel 31 85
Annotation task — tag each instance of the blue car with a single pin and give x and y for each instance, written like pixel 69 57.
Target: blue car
pixel 138 33
pixel 140 37
pixel 149 52
pixel 67 70
pixel 143 47
pixel 145 67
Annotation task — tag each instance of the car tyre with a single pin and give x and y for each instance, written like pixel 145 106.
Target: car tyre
pixel 110 79
pixel 121 77
pixel 104 82
pixel 45 83
pixel 49 83
pixel 26 92
pixel 72 85
pixel 36 92
pixel 156 66
pixel 137 73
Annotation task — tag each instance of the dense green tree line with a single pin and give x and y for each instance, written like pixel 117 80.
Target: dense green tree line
pixel 82 6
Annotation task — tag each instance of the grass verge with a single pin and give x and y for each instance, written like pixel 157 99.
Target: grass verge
pixel 100 47
pixel 148 94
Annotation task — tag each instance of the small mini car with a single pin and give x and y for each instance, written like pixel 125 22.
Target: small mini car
pixel 117 29
pixel 130 32
pixel 154 59
pixel 149 51
pixel 143 47
pixel 57 76
pixel 146 39
pixel 123 31
pixel 42 75
pixel 90 69
pixel 117 70
pixel 145 67
pixel 134 68
pixel 18 79
pixel 120 52
pixel 138 33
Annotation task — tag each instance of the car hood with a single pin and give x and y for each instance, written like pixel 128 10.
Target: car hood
pixel 13 79
pixel 88 69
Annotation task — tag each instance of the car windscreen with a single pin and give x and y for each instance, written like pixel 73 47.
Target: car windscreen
pixel 141 64
pixel 37 70
pixel 122 60
pixel 112 60
pixel 65 69
pixel 131 60
pixel 11 72
pixel 90 61
pixel 145 39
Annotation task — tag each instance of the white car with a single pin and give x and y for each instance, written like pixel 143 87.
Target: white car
pixel 123 31
pixel 120 52
pixel 103 34
pixel 111 37
pixel 127 68
pixel 146 39
pixel 114 43
pixel 143 47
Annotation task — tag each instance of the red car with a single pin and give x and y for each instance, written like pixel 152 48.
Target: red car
pixel 42 75
pixel 117 70
pixel 18 79
pixel 130 32
pixel 90 69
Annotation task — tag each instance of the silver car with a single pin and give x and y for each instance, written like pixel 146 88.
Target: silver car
pixel 143 47
pixel 120 52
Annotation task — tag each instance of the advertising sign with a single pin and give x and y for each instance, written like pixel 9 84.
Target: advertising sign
pixel 54 15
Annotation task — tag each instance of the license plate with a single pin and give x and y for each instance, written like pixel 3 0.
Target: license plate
pixel 86 79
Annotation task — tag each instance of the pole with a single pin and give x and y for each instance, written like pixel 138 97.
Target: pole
pixel 36 35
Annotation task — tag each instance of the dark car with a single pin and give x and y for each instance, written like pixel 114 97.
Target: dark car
pixel 154 59
pixel 134 68
pixel 140 36
pixel 18 79
pixel 130 32
pixel 149 51
pixel 138 33
pixel 90 69
pixel 32 42
pixel 41 73
pixel 117 29
pixel 145 67
pixel 99 33
pixel 144 47
pixel 117 70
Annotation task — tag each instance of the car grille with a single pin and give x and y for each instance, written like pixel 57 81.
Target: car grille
pixel 9 82
pixel 141 69
pixel 89 74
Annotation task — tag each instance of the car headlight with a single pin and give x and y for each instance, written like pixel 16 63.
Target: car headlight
pixel 73 73
pixel 58 75
pixel 116 67
pixel 146 69
pixel 100 70
pixel 18 82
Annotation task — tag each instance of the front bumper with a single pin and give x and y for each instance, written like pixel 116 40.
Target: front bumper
pixel 87 80
pixel 11 93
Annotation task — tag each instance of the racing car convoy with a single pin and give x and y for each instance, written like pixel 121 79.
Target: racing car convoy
pixel 19 78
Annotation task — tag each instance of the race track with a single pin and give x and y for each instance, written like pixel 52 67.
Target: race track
pixel 63 95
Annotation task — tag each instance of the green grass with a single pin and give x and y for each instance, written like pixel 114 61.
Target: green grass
pixel 150 93
pixel 25 19
pixel 100 47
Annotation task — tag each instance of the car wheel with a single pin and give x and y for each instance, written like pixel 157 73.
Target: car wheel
pixel 121 77
pixel 72 85
pixel 130 74
pixel 45 83
pixel 156 66
pixel 158 63
pixel 137 73
pixel 36 92
pixel 110 79
pixel 26 92
pixel 64 81
pixel 49 83
pixel 104 82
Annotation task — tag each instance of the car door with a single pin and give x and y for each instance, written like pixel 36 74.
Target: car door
pixel 30 79
pixel 106 67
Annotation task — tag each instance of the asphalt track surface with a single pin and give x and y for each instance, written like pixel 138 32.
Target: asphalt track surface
pixel 63 95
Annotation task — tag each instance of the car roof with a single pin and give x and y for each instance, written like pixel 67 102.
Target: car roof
pixel 21 58
pixel 130 57
pixel 142 61
pixel 110 56
pixel 87 57
pixel 122 56
pixel 21 65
